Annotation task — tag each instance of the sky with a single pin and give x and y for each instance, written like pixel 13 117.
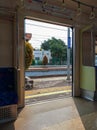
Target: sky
pixel 43 31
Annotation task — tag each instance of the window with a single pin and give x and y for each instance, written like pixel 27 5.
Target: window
pixel 87 49
pixel 36 58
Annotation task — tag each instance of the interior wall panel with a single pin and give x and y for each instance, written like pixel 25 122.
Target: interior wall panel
pixel 6 43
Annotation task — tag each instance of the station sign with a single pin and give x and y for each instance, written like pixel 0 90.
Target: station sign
pixel 28 36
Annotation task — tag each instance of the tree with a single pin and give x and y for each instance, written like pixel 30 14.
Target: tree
pixel 28 54
pixel 45 60
pixel 57 47
pixel 45 45
pixel 33 62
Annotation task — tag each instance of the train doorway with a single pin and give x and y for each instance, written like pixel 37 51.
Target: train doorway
pixel 50 73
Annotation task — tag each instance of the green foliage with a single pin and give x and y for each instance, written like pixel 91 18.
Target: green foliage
pixel 28 54
pixel 45 45
pixel 45 60
pixel 57 47
pixel 39 62
pixel 33 61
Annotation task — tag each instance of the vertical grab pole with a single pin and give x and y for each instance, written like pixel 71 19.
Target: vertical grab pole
pixel 68 53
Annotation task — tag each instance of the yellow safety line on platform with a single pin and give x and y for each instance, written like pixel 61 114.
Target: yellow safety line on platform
pixel 46 94
pixel 47 90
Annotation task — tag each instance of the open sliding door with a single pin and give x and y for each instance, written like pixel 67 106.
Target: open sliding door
pixel 87 69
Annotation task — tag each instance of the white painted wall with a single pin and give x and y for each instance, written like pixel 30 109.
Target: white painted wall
pixel 38 55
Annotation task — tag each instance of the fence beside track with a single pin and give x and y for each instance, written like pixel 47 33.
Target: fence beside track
pixel 47 71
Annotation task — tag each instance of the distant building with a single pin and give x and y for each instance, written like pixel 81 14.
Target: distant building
pixel 38 55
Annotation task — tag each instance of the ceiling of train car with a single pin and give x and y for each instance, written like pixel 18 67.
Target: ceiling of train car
pixel 7 9
pixel 85 5
pixel 67 9
pixel 76 10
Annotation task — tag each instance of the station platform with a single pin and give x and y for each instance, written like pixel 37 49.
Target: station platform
pixel 48 88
